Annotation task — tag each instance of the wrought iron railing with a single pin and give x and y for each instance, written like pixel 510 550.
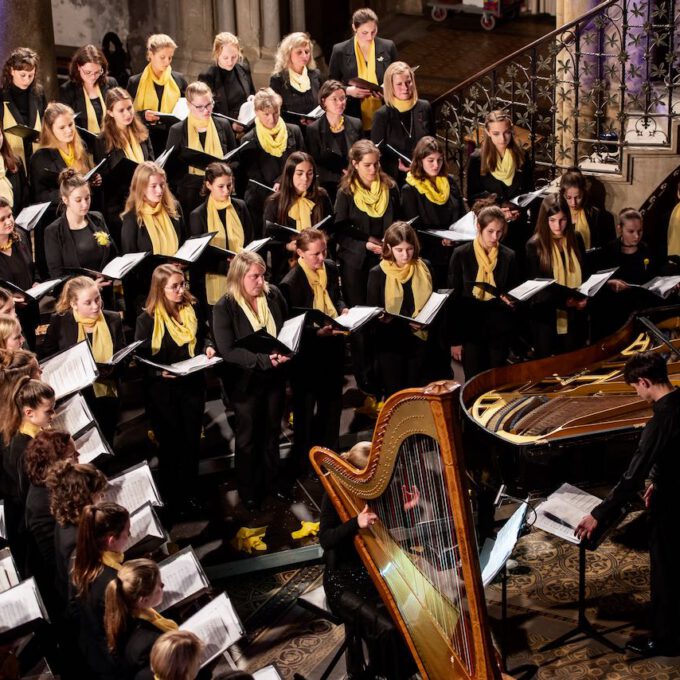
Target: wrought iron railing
pixel 580 94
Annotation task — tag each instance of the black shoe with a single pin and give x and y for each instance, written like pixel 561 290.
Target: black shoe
pixel 647 647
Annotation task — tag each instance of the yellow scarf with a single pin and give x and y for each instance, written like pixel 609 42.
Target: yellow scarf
pixel 404 105
pixel 674 232
pixel 69 157
pixel 486 263
pixel 92 122
pixel 415 271
pixel 102 348
pixel 17 144
pixel 160 229
pixel 301 212
pixel 29 429
pixel 6 190
pixel 318 280
pixel 112 559
pixel 263 318
pixel 183 332
pixel 505 168
pixel 569 276
pixel 372 201
pixel 299 81
pixel 232 238
pixel 436 192
pixel 154 618
pixel 212 141
pixel 133 149
pixel 366 70
pixel 275 140
pixel 146 97
pixel 578 217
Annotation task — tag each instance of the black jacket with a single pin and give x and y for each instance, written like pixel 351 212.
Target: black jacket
pixel 19 183
pixel 135 238
pixel 479 185
pixel 343 66
pixel 45 166
pixel 299 294
pixel 293 100
pixel 18 268
pixel 135 648
pixel 65 538
pixel 327 151
pixel 214 79
pixel 72 93
pixel 133 85
pixel 257 164
pixel 60 248
pixel 40 523
pixel 62 332
pixel 36 105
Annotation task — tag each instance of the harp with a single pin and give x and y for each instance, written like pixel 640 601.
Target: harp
pixel 421 553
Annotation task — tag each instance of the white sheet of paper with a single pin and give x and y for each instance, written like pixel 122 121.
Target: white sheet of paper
pixel 529 288
pixel 431 308
pixel 579 504
pixel 255 245
pixel 19 605
pixel 120 266
pixel 662 285
pixel 133 488
pixel 595 282
pixel 192 248
pixel 267 673
pixel 162 159
pixel 73 415
pixel 357 316
pixel 42 288
pixel 291 332
pixel 143 522
pixel 3 524
pixel 523 200
pixel 182 577
pixel 246 114
pixel 9 576
pixel 496 552
pixel 90 445
pixel 30 216
pixel 70 371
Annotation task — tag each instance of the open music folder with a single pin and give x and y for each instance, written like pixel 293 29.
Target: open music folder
pixel 179 113
pixel 122 354
pixel 70 370
pixel 146 532
pixel 21 606
pixel 286 342
pixel 253 247
pixel 183 578
pixel 73 415
pixel 34 292
pixel 181 368
pixel 496 551
pixel 430 310
pixel 193 247
pixel 9 574
pixel 29 217
pixel 662 286
pixel 353 320
pixel 133 487
pixel 217 625
pixel 91 445
pixel 464 229
pixel 117 268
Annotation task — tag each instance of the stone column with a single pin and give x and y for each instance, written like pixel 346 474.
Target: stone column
pixel 248 27
pixel 225 16
pixel 29 24
pixel 270 37
pixel 297 16
pixel 194 38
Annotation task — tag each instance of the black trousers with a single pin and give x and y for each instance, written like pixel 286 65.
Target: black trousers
pixel 401 358
pixel 258 428
pixel 480 356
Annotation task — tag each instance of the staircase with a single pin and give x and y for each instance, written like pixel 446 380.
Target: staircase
pixel 602 92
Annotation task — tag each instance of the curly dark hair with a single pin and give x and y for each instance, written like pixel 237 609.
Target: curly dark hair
pixel 72 486
pixel 48 447
pixel 22 58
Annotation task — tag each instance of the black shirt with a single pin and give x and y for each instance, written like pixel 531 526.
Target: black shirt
pixel 89 252
pixel 20 98
pixel 231 85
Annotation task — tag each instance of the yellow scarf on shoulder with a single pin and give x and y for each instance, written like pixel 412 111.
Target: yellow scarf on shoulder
pixel 372 201
pixel 275 140
pixel 112 559
pixel 578 217
pixel 436 192
pixel 156 619
pixel 146 97
pixel 92 121
pixel 318 282
pixel 415 271
pixel 486 263
pixel 262 319
pixel 674 232
pixel 505 168
pixel 212 140
pixel 29 429
pixel 17 144
pixel 69 157
pixel 231 238
pixel 183 332
pixel 569 276
pixel 366 70
pixel 404 105
pixel 301 212
pixel 161 231
pixel 299 81
pixel 102 347
pixel 133 149
pixel 6 190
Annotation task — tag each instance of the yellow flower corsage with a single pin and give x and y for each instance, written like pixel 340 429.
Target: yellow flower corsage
pixel 102 238
pixel 646 262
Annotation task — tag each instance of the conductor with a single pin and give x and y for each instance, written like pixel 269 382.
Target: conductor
pixel 657 458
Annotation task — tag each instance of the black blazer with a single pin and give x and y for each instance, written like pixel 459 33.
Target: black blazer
pixel 19 268
pixel 293 100
pixel 479 185
pixel 62 332
pixel 298 293
pixel 353 226
pixel 387 127
pixel 241 366
pixel 65 538
pixel 60 248
pixel 473 320
pixel 212 261
pixel 133 85
pixel 430 215
pixel 72 93
pixel 135 647
pixel 36 105
pixel 213 78
pixel 343 66
pixel 271 210
pixel 45 166
pixel 13 466
pixel 257 164
pixel 40 523
pixel 19 183
pixel 330 158
pixel 135 238
pixel 377 280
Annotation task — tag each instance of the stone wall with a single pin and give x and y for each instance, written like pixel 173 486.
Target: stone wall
pixel 79 22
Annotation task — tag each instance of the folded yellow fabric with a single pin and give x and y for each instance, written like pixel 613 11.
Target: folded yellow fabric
pixel 306 529
pixel 248 539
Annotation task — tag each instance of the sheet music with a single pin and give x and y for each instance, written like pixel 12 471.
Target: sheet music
pixel 197 363
pixel 192 248
pixel 73 415
pixel 70 371
pixel 217 625
pixel 3 524
pixel 19 605
pixel 291 332
pixel 122 353
pixel 523 200
pixel 182 576
pixel 45 287
pixel 246 114
pixel 143 522
pixel 9 576
pixel 133 488
pixel 561 512
pixel 267 673
pixel 496 552
pixel 529 288
pixel 30 215
pixel 233 152
pixel 120 266
pixel 90 445
pixel 162 159
pixel 431 308
pixel 96 168
pixel 180 110
pixel 255 245
pixel 662 285
pixel 595 282
pixel 357 316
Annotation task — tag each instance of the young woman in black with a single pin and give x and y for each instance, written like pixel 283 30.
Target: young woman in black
pixel 482 322
pixel 314 283
pixel 229 217
pixel 330 137
pixel 13 180
pixel 432 196
pixel 171 332
pixel 254 382
pixel 175 652
pixel 402 121
pixel 203 132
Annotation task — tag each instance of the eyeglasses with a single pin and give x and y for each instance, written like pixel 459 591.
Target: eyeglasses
pixel 204 107
pixel 176 286
pixel 90 74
